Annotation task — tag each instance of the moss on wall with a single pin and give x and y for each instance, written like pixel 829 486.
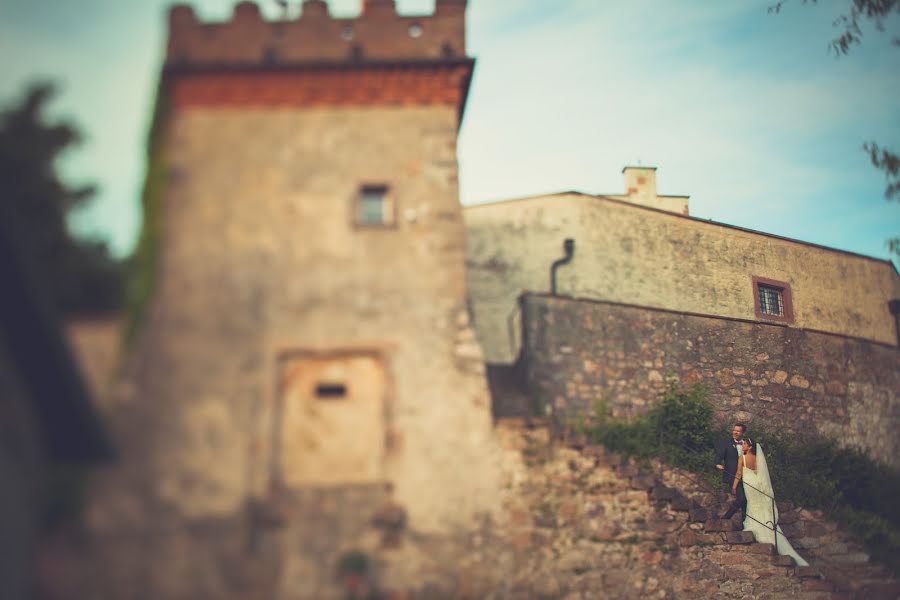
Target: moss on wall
pixel 143 264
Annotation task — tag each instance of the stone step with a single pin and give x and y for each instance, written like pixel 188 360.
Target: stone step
pixel 716 525
pixel 805 571
pixel 692 538
pixel 681 503
pixel 740 537
pixel 698 515
pixel 887 589
pixel 643 482
pixel 756 548
pixel 662 492
pixel 816 585
pixel 782 561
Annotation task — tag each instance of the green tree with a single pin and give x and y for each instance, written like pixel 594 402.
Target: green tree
pixel 81 275
pixel 876 12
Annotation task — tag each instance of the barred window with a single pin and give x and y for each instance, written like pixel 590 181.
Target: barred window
pixel 771 300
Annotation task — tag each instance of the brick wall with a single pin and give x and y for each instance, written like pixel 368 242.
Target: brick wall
pixel 444 84
pixel 577 352
pixel 379 33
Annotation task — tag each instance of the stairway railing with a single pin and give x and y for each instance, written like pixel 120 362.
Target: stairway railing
pixel 773 524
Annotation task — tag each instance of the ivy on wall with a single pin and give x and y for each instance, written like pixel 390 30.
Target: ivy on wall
pixel 144 263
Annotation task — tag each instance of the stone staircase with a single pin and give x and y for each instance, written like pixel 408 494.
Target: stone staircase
pixel 844 574
pixel 582 523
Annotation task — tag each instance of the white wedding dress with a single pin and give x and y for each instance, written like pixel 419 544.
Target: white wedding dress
pixel 760 507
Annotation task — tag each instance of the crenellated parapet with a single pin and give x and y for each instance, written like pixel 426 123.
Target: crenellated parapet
pixel 376 59
pixel 378 34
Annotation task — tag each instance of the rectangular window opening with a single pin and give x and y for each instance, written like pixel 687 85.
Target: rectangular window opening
pixel 331 391
pixel 373 206
pixel 772 300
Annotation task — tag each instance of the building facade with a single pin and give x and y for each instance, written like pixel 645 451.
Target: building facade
pixel 631 251
pixel 582 301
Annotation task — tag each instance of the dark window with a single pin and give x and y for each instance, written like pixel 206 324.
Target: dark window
pixel 331 390
pixel 373 206
pixel 772 300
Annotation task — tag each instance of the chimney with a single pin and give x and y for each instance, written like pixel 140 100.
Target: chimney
pixel 640 184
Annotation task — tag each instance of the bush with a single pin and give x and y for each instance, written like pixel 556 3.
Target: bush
pixel 677 429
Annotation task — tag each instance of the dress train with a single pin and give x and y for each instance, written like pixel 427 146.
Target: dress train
pixel 760 508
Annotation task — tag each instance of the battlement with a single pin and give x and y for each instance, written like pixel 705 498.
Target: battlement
pixel 378 34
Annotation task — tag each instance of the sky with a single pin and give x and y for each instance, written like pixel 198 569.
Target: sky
pixel 746 112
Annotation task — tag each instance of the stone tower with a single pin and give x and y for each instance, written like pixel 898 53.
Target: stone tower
pixel 305 358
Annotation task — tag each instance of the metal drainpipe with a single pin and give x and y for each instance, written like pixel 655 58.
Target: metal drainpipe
pixel 894 307
pixel 569 248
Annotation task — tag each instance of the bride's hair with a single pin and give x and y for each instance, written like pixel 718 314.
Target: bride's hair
pixel 752 445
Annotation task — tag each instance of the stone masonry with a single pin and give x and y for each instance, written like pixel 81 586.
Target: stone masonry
pixel 297 369
pixel 632 254
pixel 576 523
pixel 579 352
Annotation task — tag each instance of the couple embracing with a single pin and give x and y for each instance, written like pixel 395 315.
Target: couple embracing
pixel 746 475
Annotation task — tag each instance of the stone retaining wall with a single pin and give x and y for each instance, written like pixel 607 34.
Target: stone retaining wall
pixel 577 353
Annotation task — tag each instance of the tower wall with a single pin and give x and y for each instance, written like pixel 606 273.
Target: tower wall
pixel 296 359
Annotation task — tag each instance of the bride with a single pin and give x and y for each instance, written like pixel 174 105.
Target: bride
pixel 759 517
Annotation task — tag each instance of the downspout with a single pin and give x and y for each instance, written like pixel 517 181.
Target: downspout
pixel 569 248
pixel 894 307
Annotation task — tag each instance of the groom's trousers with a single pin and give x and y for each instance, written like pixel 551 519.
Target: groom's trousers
pixel 739 503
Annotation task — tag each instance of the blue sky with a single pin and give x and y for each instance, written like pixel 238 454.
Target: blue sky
pixel 746 112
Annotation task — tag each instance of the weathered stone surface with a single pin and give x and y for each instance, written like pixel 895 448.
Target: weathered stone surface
pixel 761 549
pixel 799 381
pixel 601 539
pixel 739 537
pixel 680 503
pixel 817 585
pixel 698 515
pixel 660 492
pixel 782 561
pixel 717 525
pixel 780 377
pixel 726 377
pixel 643 482
pixel 796 388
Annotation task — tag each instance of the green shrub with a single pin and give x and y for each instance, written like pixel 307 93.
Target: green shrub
pixel 678 428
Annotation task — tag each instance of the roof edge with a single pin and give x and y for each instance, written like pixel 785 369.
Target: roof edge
pixel 691 218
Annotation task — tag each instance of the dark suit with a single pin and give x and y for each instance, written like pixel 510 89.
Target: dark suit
pixel 727 456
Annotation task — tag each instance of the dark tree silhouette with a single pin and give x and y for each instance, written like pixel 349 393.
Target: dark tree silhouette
pixel 876 11
pixel 80 275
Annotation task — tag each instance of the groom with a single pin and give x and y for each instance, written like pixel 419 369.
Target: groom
pixel 727 452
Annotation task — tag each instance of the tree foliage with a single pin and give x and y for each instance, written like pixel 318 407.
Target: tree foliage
pixel 80 275
pixel 877 12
